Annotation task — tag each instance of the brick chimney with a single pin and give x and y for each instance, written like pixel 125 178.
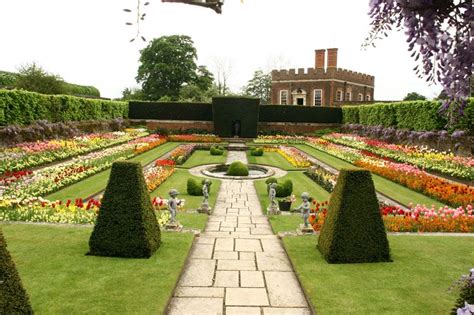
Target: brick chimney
pixel 320 56
pixel 332 57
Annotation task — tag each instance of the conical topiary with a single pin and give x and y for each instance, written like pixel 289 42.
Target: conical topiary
pixel 13 297
pixel 126 225
pixel 353 231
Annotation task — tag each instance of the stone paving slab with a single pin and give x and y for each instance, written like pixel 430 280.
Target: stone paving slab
pixel 199 292
pixel 284 289
pixel 285 311
pixel 251 279
pixel 196 306
pixel 246 297
pixel 227 279
pixel 198 273
pixel 234 310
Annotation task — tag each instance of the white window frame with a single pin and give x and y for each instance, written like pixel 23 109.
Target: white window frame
pixel 281 98
pixel 320 97
pixel 350 96
pixel 339 95
pixel 360 97
pixel 367 97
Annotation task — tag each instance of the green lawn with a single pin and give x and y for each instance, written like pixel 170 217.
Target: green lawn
pixel 61 279
pixel 272 159
pixel 417 282
pixel 385 186
pixel 97 182
pixel 179 181
pixel 301 183
pixel 201 157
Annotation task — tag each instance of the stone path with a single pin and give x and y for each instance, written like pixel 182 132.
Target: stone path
pixel 237 265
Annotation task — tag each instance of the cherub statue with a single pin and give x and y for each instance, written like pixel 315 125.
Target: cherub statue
pixel 305 208
pixel 205 190
pixel 272 194
pixel 173 204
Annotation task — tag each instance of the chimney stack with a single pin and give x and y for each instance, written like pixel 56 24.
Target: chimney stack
pixel 332 57
pixel 320 56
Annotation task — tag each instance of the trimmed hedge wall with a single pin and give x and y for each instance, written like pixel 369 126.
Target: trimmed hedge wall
pixel 303 114
pixel 353 231
pixel 13 297
pixel 170 111
pixel 226 110
pixel 413 115
pixel 23 108
pixel 126 225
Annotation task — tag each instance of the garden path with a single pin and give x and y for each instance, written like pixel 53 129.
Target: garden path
pixel 237 265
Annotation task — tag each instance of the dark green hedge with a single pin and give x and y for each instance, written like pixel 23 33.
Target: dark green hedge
pixel 304 114
pixel 13 297
pixel 126 225
pixel 23 108
pixel 226 110
pixel 353 231
pixel 170 111
pixel 238 168
pixel 413 115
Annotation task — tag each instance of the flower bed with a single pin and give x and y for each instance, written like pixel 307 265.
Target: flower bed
pixel 430 159
pixel 32 154
pixel 446 191
pixel 194 138
pixel 417 219
pixel 292 155
pixel 49 179
pixel 182 153
pixel 280 139
pixel 322 177
pixel 158 173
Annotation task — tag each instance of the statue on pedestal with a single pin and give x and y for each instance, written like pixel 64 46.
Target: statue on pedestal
pixel 173 204
pixel 273 207
pixel 305 208
pixel 205 202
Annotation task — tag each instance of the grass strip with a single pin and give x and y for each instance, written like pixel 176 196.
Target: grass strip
pixel 98 182
pixel 416 282
pixel 271 159
pixel 202 157
pixel 393 190
pixel 61 279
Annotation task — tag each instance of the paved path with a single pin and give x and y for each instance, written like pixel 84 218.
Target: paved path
pixel 238 266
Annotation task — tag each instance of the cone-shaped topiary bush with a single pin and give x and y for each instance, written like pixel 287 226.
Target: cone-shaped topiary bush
pixel 13 297
pixel 238 168
pixel 126 225
pixel 353 231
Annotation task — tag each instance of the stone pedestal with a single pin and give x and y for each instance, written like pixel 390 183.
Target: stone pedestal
pixel 273 210
pixel 204 209
pixel 305 229
pixel 173 226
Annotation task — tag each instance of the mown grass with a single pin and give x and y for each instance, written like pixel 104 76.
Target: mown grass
pixel 416 282
pixel 202 157
pixel 398 192
pixel 98 182
pixel 272 159
pixel 61 279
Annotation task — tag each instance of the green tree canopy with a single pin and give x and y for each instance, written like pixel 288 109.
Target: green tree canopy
pixel 413 96
pixel 32 77
pixel 167 63
pixel 259 86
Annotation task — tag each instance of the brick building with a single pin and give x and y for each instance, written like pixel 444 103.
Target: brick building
pixel 321 86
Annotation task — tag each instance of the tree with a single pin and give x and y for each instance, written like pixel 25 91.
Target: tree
pixel 204 78
pixel 223 68
pixel 129 94
pixel 439 32
pixel 32 77
pixel 413 96
pixel 260 86
pixel 166 64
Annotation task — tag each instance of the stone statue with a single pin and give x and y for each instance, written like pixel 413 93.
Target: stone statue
pixel 173 204
pixel 205 191
pixel 273 206
pixel 305 208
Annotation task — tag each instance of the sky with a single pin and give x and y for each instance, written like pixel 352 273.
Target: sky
pixel 87 42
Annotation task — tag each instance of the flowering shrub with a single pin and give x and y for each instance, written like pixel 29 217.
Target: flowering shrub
pixel 32 154
pixel 280 139
pixel 194 138
pixel 430 159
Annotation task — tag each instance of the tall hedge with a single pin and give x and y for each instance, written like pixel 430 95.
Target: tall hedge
pixel 23 108
pixel 354 231
pixel 126 225
pixel 226 110
pixel 295 114
pixel 170 111
pixel 413 115
pixel 13 297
